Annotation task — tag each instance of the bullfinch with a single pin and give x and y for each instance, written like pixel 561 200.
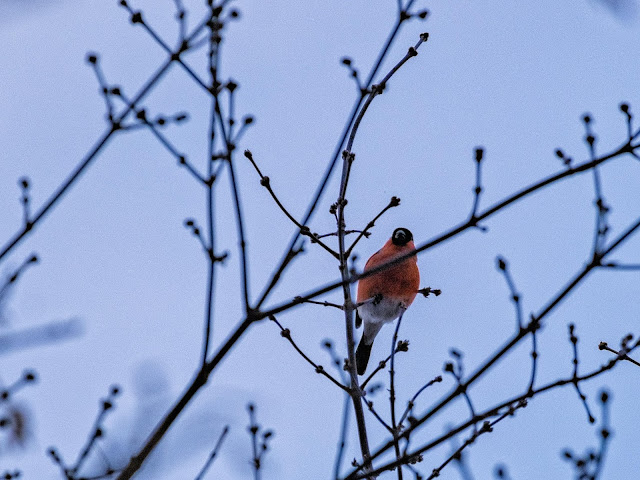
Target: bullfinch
pixel 388 293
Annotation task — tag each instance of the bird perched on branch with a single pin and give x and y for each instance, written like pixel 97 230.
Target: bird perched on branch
pixel 386 294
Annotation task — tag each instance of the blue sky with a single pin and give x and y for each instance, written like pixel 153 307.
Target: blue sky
pixel 512 78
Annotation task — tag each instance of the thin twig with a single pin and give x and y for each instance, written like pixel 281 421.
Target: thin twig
pixel 402 346
pixel 379 88
pixel 241 231
pixel 411 403
pixel 477 190
pixel 395 430
pixel 286 333
pixel 164 141
pixel 324 304
pixel 621 354
pixel 457 230
pixel 342 442
pixel 213 454
pixel 259 447
pixel 346 232
pixel 266 183
pixel 511 343
pixel 208 319
pixel 491 412
pixel 534 325
pixel 503 266
pixel 17 273
pixel 457 372
pixel 589 465
pixel 253 430
pixel 394 202
pixel 275 277
pixel 622 266
pixel 487 427
pixel 574 342
pixel 601 228
pixel 96 432
pixel 27 377
pixel 92 154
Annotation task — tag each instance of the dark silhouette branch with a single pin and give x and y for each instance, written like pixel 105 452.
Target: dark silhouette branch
pixel 323 304
pixel 92 154
pixel 574 342
pixel 622 354
pixel 622 266
pixel 486 427
pixel 7 393
pixel 286 333
pixel 97 433
pixel 394 202
pixel 477 189
pixel 488 413
pixel 402 346
pixel 458 229
pixel 348 158
pixel 342 442
pixel 266 183
pixel 457 371
pixel 15 276
pixel 395 426
pixel 259 443
pixel 286 258
pixel 379 88
pixel 511 343
pixel 503 266
pixel 589 465
pixel 411 403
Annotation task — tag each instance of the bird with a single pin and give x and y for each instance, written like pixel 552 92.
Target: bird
pixel 384 296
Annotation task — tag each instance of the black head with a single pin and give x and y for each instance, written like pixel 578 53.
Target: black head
pixel 401 236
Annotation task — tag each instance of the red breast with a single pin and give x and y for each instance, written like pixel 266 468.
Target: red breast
pixel 400 281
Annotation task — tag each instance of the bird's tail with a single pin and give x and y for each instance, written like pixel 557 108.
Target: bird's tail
pixel 362 356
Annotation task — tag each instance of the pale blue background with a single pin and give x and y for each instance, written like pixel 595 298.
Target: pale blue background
pixel 514 77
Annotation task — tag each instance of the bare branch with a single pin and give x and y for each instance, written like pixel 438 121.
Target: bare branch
pixel 411 403
pixel 621 354
pixel 259 443
pixel 402 346
pixel 324 304
pixel 395 427
pixel 477 190
pixel 457 230
pixel 574 342
pixel 28 377
pixel 92 154
pixel 394 202
pixel 286 333
pixel 400 20
pixel 266 183
pixel 589 465
pixel 457 371
pixel 213 454
pixel 533 325
pixel 503 266
pixel 488 413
